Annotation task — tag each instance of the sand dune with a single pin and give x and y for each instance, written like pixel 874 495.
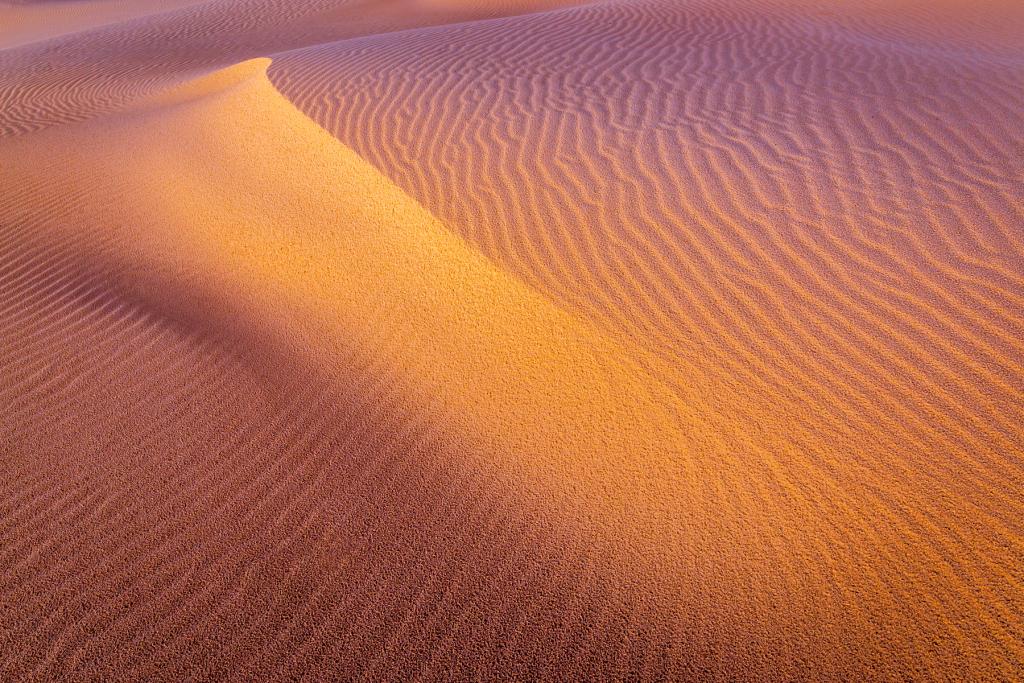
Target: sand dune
pixel 624 340
pixel 367 418
pixel 820 226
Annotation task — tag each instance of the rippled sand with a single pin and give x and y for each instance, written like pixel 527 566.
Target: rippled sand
pixel 526 340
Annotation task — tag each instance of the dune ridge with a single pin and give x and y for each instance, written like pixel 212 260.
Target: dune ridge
pixel 296 442
pixel 609 340
pixel 764 250
pixel 561 382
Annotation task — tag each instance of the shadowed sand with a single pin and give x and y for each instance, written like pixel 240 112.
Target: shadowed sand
pixel 538 340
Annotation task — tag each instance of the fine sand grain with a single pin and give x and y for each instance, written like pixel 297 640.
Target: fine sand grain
pixel 527 340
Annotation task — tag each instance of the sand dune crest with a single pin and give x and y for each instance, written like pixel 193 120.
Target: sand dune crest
pixel 442 340
pixel 316 251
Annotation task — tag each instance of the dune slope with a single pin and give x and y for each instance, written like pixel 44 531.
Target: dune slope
pixel 319 464
pixel 816 219
pixel 622 340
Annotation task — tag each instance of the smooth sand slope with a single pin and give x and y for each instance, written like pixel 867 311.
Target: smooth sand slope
pixel 534 340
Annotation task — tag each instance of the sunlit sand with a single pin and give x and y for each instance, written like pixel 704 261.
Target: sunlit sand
pixel 527 340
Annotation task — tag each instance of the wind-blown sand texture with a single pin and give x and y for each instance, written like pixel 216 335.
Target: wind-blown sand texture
pixel 530 340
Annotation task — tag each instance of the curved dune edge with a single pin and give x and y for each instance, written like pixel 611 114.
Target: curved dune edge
pixel 813 226
pixel 262 229
pixel 287 229
pixel 228 178
pixel 265 279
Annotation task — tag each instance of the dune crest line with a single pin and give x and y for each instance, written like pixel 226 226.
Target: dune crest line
pixel 529 340
pixel 295 280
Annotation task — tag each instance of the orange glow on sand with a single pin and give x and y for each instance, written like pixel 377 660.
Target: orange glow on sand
pixel 527 340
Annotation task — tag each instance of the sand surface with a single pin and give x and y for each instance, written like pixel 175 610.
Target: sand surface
pixel 526 340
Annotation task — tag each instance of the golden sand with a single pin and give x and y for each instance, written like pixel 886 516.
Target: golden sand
pixel 527 340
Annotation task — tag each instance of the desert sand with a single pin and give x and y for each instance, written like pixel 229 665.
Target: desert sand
pixel 527 340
